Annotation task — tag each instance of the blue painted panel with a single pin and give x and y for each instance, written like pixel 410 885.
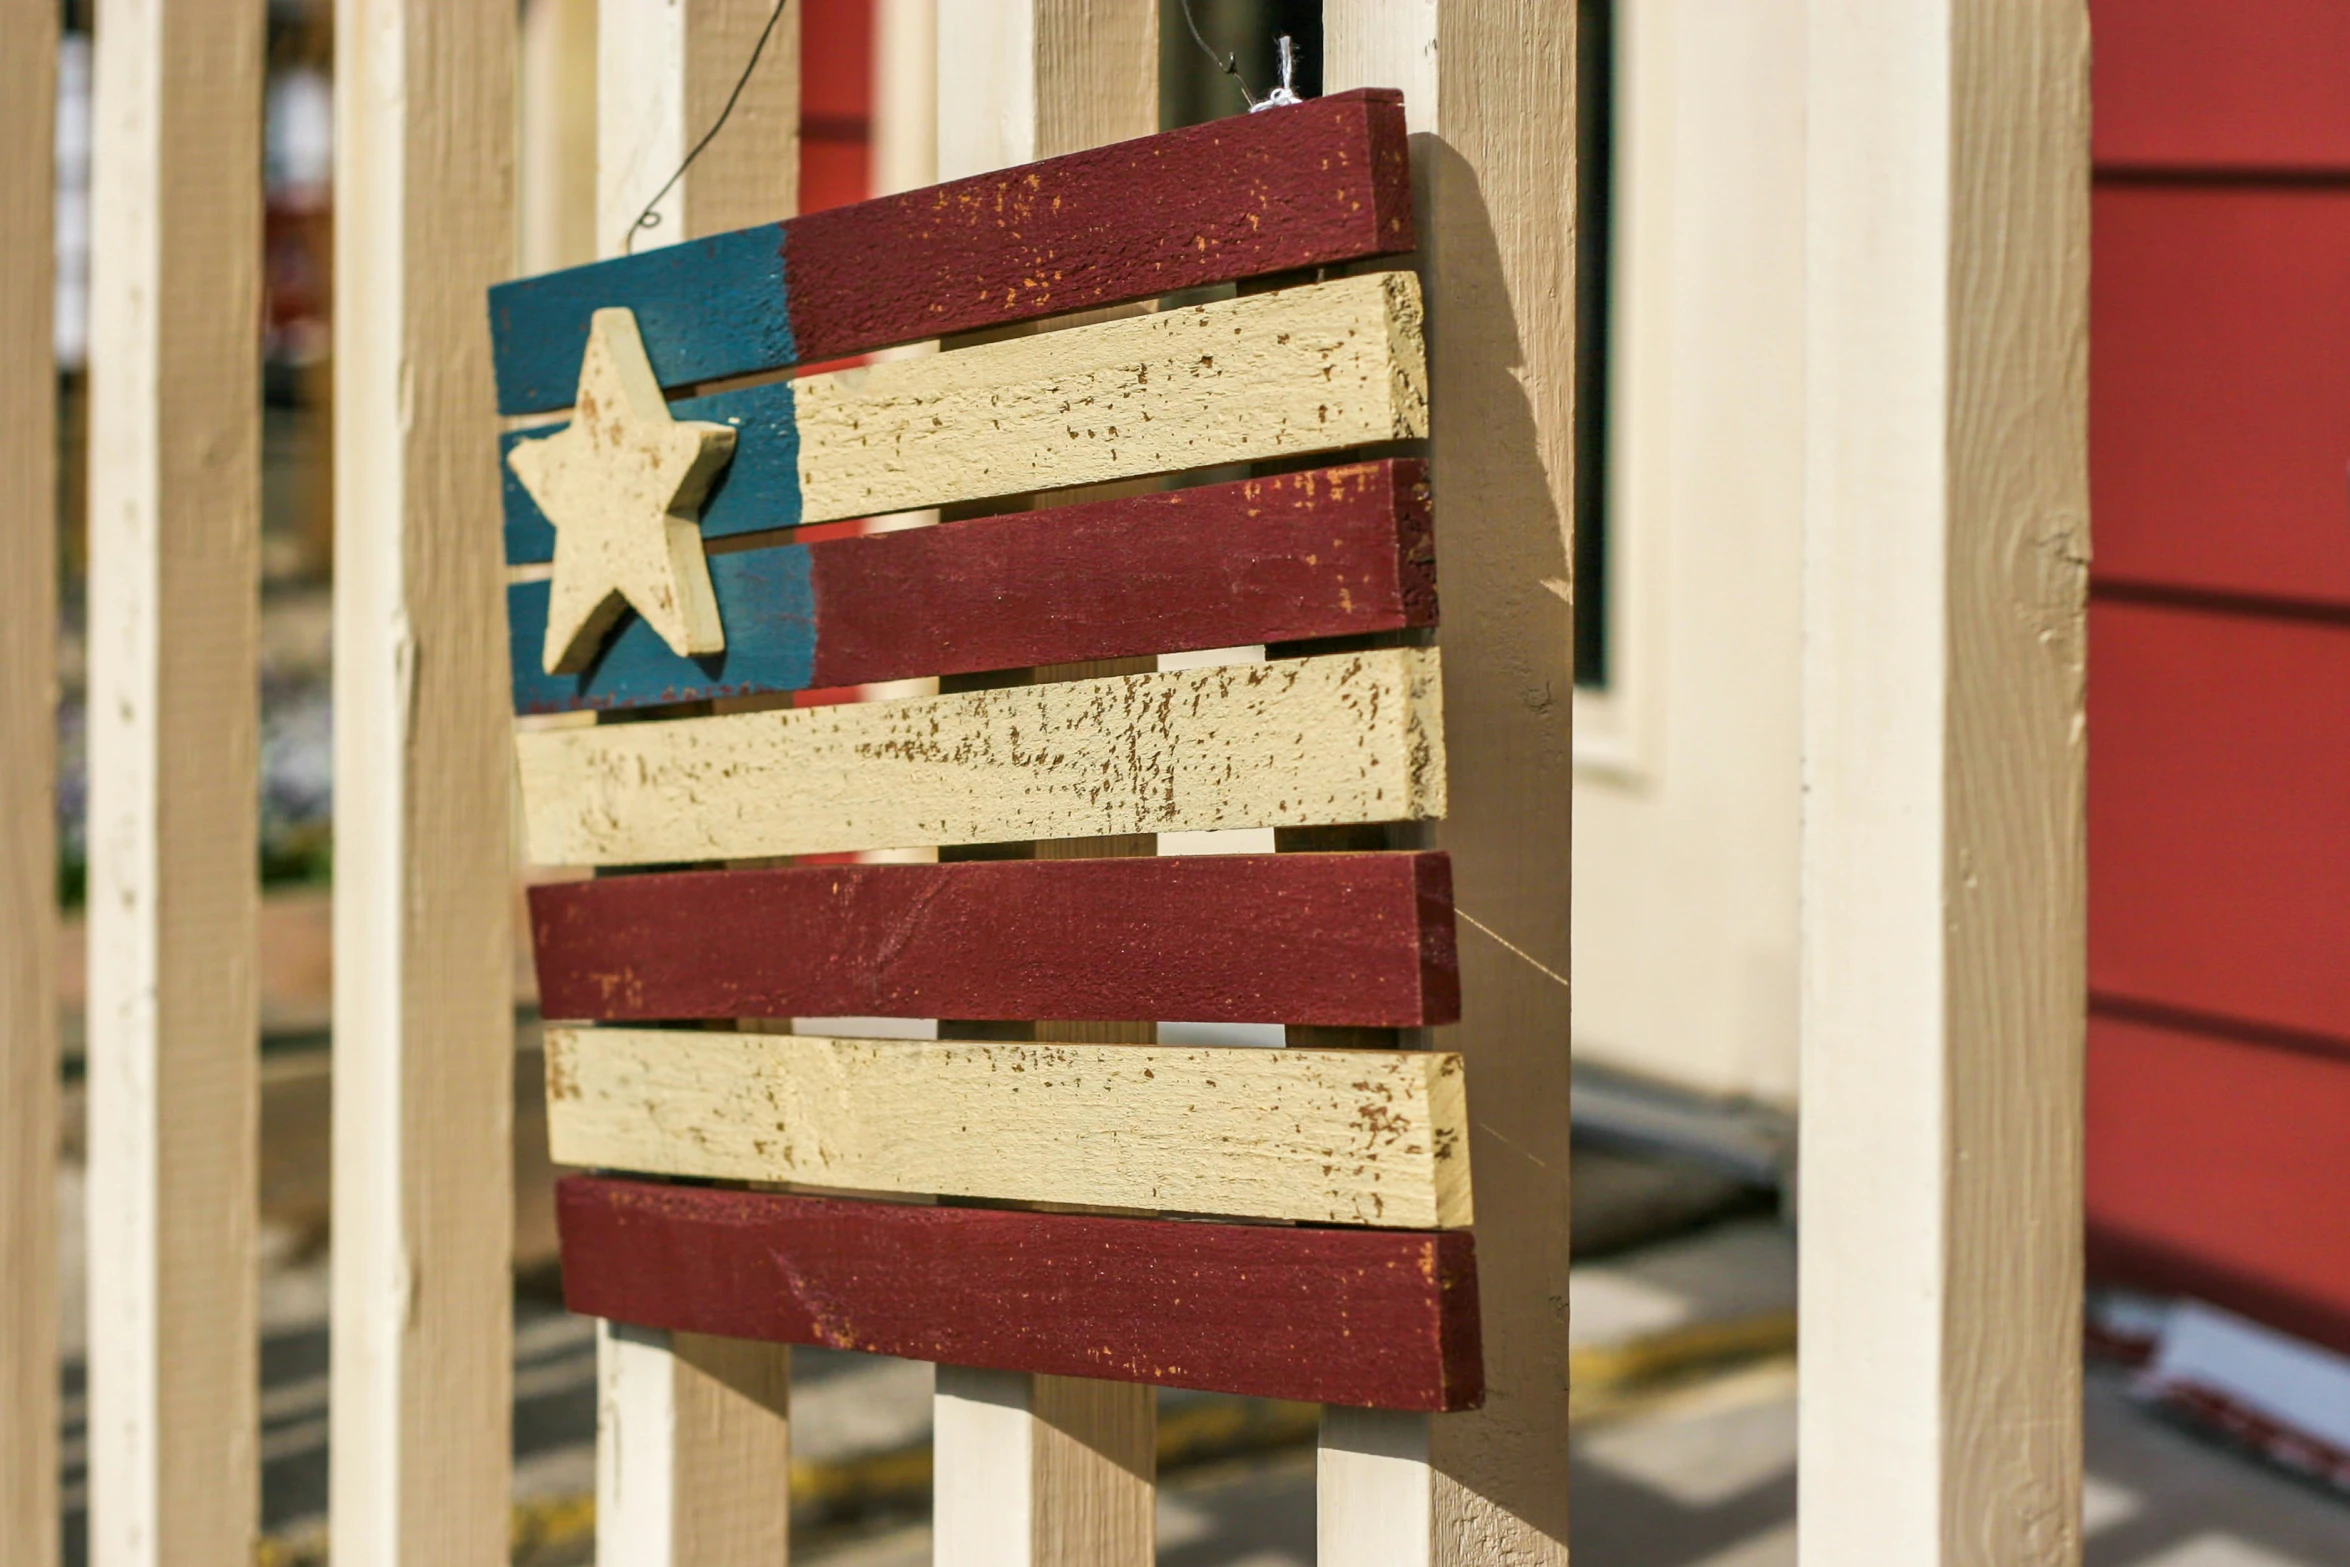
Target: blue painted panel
pixel 765 601
pixel 758 490
pixel 706 308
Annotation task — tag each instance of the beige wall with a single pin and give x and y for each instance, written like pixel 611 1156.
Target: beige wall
pixel 1686 802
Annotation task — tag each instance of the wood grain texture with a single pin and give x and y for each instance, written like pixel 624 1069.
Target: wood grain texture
pixel 730 1451
pixel 423 1002
pixel 1352 737
pixel 1342 1316
pixel 28 808
pixel 710 1449
pixel 1336 939
pixel 1490 88
pixel 1328 1137
pixel 1946 557
pixel 1304 371
pixel 1326 553
pixel 174 631
pixel 1100 225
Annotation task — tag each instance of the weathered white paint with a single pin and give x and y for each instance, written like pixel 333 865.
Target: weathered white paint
pixel 1374 1505
pixel 1945 568
pixel 1687 807
pixel 623 483
pixel 983 1497
pixel 636 1438
pixel 423 1003
pixel 174 631
pixel 1490 92
pixel 1348 737
pixel 28 772
pixel 1337 1137
pixel 1309 369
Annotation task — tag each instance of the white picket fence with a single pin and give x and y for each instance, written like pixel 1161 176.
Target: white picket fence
pixel 1947 224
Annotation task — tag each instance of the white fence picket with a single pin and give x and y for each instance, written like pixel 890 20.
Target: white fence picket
pixel 174 636
pixel 1944 989
pixel 693 1450
pixel 423 1009
pixel 1489 87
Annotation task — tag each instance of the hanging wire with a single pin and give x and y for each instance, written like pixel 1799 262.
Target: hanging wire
pixel 1228 64
pixel 650 219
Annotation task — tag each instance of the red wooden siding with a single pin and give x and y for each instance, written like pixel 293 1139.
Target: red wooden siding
pixel 2222 84
pixel 2219 790
pixel 2219 676
pixel 2219 1169
pixel 836 103
pixel 2220 401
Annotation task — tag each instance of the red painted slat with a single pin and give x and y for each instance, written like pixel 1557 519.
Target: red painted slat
pixel 2245 84
pixel 2219 814
pixel 1379 1318
pixel 1325 553
pixel 1322 182
pixel 1335 939
pixel 1331 552
pixel 2220 1169
pixel 2219 393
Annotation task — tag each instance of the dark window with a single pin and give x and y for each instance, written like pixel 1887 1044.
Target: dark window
pixel 1595 149
pixel 1191 87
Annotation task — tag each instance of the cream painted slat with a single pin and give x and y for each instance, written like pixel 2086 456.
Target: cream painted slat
pixel 1309 369
pixel 1328 1137
pixel 1348 737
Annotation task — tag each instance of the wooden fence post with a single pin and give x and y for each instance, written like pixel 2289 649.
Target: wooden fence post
pixel 28 768
pixel 174 632
pixel 693 1444
pixel 1043 1471
pixel 1489 88
pixel 424 1018
pixel 1946 563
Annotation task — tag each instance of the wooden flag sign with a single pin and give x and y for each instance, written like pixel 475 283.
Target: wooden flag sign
pixel 648 520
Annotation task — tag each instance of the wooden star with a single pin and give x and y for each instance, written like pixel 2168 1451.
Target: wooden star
pixel 622 483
